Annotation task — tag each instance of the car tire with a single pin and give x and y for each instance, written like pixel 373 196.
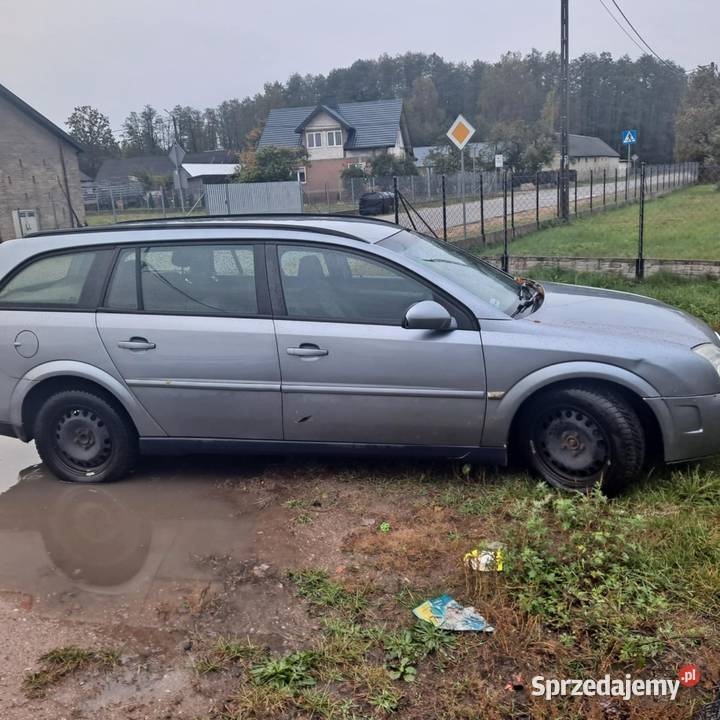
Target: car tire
pixel 581 438
pixel 82 437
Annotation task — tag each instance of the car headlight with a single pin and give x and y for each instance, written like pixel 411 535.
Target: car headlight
pixel 711 353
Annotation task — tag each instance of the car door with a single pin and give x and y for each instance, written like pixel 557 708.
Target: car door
pixel 188 327
pixel 351 372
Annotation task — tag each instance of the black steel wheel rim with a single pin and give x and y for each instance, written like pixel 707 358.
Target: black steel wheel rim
pixel 82 440
pixel 571 445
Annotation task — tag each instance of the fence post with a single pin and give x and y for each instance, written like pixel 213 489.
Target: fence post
pixel 537 200
pixel 640 264
pixel 627 180
pixel 112 203
pixel 616 180
pixel 604 184
pixel 412 188
pixel 444 208
pixel 505 263
pixel 482 208
pixel 591 191
pixel 512 202
pixel 396 202
pixel 557 201
pixel 635 176
pixel 576 193
pixel 429 189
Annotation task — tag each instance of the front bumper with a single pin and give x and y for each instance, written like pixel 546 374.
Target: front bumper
pixel 690 426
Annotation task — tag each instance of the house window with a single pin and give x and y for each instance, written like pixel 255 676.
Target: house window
pixel 314 139
pixel 301 176
pixel 334 138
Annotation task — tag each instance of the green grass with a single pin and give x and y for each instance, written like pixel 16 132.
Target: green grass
pixel 320 590
pixel 699 297
pixel 682 225
pixel 60 662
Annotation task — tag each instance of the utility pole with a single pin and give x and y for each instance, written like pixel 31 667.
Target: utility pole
pixel 564 110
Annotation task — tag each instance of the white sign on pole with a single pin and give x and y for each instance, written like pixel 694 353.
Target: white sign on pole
pixel 499 161
pixel 460 132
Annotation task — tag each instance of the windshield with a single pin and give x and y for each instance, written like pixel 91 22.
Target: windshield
pixel 479 278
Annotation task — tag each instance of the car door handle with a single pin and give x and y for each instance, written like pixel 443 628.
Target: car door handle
pixel 307 350
pixel 136 343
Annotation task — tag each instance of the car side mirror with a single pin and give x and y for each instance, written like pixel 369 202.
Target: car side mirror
pixel 428 315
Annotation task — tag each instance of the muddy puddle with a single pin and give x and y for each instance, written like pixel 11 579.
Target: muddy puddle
pixel 183 543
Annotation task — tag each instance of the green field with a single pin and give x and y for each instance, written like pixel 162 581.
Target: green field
pixel 682 225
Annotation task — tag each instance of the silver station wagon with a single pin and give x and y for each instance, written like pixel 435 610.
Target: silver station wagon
pixel 345 335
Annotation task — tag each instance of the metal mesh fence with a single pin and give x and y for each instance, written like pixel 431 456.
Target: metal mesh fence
pixel 109 202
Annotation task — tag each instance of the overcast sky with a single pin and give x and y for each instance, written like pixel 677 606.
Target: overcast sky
pixel 119 55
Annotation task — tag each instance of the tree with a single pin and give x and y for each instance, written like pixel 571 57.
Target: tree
pixel 92 130
pixel 271 164
pixel 386 165
pixel 698 122
pixel 526 146
pixel 423 111
pixel 444 159
pixel 353 175
pixel 146 133
pixel 607 95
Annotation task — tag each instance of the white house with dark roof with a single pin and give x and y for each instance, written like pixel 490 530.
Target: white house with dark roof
pixel 336 136
pixel 588 153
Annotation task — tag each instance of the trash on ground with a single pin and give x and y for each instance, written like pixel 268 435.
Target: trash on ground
pixel 486 558
pixel 448 614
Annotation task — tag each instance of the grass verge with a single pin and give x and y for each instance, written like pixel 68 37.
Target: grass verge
pixel 699 296
pixel 681 225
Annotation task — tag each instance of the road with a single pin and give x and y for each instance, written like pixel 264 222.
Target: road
pixel 525 201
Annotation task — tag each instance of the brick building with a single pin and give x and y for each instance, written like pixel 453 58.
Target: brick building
pixel 40 185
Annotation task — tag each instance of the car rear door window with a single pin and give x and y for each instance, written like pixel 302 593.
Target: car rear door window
pixel 190 279
pixel 67 280
pixel 336 285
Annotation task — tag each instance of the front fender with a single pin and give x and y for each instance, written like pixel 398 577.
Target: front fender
pixel 144 422
pixel 501 411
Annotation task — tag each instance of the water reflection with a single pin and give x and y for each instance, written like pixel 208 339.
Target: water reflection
pixel 124 538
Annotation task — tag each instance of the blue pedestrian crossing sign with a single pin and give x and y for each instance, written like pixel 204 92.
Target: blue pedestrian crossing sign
pixel 629 137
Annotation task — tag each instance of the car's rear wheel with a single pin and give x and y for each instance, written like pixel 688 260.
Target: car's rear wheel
pixel 82 437
pixel 580 438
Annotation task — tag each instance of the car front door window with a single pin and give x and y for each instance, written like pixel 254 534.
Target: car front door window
pixel 340 286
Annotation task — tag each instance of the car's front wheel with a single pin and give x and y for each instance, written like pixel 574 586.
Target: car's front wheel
pixel 579 438
pixel 82 437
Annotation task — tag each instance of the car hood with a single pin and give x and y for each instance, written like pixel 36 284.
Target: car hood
pixel 619 314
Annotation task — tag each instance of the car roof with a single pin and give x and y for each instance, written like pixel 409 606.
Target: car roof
pixel 368 230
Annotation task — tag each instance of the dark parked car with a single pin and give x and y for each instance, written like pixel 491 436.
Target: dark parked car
pixel 377 203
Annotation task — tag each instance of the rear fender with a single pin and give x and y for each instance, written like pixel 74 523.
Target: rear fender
pixel 144 422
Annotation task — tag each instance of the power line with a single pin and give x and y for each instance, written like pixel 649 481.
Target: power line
pixel 622 27
pixel 642 39
pixel 632 39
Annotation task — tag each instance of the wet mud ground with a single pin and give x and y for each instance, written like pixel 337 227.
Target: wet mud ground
pixel 185 550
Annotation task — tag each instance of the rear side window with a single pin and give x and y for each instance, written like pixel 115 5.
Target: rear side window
pixel 68 280
pixel 191 279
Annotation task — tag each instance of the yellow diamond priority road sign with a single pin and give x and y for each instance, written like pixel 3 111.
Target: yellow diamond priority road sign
pixel 460 132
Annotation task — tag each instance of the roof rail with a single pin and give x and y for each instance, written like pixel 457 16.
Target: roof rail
pixel 139 225
pixel 242 216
